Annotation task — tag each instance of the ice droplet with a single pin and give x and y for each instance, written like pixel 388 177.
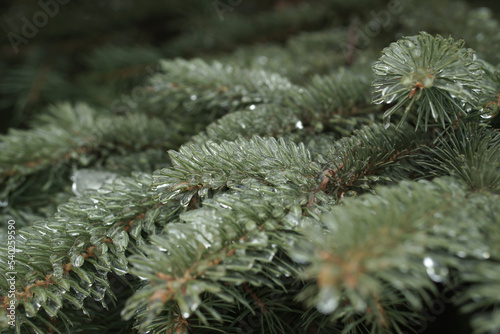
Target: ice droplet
pixel 259 239
pixel 291 220
pixel 120 240
pixel 387 122
pixel 31 308
pixel 436 271
pixel 486 115
pixel 300 251
pixel 51 308
pixel 58 270
pixel 77 260
pixel 389 98
pixel 328 300
pixel 186 198
pixel 85 179
pixel 193 301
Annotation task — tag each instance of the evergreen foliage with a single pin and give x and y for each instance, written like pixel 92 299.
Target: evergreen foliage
pixel 288 202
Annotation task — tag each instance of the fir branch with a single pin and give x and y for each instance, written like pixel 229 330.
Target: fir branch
pixel 405 230
pixel 472 154
pixel 437 74
pixel 372 154
pixel 215 166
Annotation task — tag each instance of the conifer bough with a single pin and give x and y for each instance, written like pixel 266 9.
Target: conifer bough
pixel 436 76
pixel 252 227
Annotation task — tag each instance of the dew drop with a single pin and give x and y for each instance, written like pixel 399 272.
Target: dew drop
pixel 299 125
pixel 85 179
pixel 436 271
pixel 193 97
pixel 389 99
pixel 387 122
pixel 270 256
pixel 328 300
pixel 259 240
pixel 252 107
pixel 224 206
pixel 485 114
pixel 78 260
pixel 120 240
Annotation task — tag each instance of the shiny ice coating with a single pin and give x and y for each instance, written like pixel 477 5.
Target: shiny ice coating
pixel 86 179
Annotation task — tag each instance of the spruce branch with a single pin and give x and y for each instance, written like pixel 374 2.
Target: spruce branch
pixel 217 166
pixel 471 154
pixel 435 76
pixel 224 244
pixel 69 137
pixel 195 86
pixel 490 95
pixel 405 230
pixel 372 154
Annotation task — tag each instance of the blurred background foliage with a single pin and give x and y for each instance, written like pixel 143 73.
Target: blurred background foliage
pixel 95 51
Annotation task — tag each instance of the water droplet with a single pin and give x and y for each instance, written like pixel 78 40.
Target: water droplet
pixel 389 99
pixel 120 240
pixel 193 299
pixel 4 204
pixel 185 315
pixel 298 253
pixel 193 97
pixel 31 308
pixel 252 107
pixel 291 220
pixel 51 308
pixel 85 179
pixel 299 125
pixel 186 199
pixel 328 300
pixel 486 114
pixel 270 256
pixel 436 271
pixel 433 110
pixel 77 260
pixel 387 122
pixel 224 206
pixel 58 271
pixel 259 239
pixel 485 255
pixel 203 191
